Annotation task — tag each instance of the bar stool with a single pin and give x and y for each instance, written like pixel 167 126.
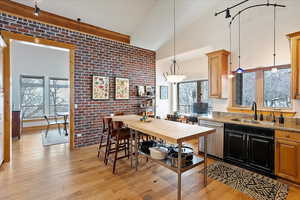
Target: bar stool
pixel 104 134
pixel 119 137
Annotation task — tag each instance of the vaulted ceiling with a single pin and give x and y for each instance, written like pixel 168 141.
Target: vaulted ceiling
pixel 148 22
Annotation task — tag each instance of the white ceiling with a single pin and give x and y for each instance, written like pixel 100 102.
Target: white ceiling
pixel 148 22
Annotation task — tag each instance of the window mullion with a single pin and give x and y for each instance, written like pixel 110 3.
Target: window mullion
pixel 260 88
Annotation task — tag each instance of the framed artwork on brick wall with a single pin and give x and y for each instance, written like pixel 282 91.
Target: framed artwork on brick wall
pixel 100 88
pixel 122 88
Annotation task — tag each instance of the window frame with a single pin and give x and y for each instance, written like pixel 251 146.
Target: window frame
pixel 49 90
pixel 198 89
pixel 259 85
pixel 21 97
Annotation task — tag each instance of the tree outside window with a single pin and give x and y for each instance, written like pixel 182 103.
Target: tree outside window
pixel 59 96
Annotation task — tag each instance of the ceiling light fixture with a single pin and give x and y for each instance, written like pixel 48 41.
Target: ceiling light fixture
pixel 227 10
pixel 231 75
pixel 173 76
pixel 274 69
pixel 228 15
pixel 37 10
pixel 239 70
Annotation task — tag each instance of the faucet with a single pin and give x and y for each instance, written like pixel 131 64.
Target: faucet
pixel 254 108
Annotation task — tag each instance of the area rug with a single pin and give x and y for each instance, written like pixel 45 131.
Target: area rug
pixel 255 185
pixel 54 137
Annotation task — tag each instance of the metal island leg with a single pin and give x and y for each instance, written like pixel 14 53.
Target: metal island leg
pixel 179 172
pixel 136 149
pixel 205 160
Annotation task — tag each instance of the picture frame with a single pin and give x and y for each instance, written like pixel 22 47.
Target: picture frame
pixel 150 91
pixel 163 92
pixel 141 90
pixel 100 88
pixel 122 88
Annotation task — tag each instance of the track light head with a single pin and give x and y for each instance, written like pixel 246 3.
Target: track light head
pixel 228 15
pixel 37 10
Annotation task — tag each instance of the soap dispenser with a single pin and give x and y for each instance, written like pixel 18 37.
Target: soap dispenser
pixel 281 119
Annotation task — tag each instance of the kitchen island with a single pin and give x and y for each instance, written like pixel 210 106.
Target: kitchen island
pixel 172 132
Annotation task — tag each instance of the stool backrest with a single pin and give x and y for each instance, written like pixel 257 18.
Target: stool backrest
pixel 105 124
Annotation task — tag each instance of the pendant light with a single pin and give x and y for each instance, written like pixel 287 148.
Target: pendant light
pixel 173 76
pixel 239 70
pixel 231 75
pixel 274 69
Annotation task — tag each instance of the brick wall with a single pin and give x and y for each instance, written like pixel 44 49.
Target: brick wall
pixel 94 56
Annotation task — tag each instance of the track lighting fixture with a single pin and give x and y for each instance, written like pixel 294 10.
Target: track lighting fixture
pixel 228 15
pixel 37 10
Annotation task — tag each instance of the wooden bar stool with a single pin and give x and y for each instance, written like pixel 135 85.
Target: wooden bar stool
pixel 104 134
pixel 119 137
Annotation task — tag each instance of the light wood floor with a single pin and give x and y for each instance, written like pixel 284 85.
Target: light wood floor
pixel 56 173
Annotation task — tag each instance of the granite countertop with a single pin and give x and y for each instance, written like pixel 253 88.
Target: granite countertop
pixel 290 124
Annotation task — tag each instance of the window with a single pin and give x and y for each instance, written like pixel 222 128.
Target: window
pixel 59 95
pixel 245 88
pixel 270 87
pixel 190 93
pixel 187 96
pixel 32 97
pixel 277 88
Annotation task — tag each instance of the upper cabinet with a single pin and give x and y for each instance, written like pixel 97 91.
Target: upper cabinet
pixel 295 63
pixel 218 73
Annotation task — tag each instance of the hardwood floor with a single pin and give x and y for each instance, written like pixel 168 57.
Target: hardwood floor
pixel 56 173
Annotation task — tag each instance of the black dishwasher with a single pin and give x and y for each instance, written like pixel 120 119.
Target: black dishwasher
pixel 250 147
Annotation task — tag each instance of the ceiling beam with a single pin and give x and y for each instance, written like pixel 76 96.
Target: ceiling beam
pixel 24 11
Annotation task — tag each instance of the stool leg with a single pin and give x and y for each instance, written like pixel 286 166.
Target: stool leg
pixel 116 155
pixel 107 150
pixel 128 146
pixel 100 145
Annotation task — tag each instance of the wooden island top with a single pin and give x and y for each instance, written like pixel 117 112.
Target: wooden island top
pixel 174 132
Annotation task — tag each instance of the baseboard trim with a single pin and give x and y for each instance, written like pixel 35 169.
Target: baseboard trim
pixel 37 128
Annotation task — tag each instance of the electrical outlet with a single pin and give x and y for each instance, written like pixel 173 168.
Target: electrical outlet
pixel 79 135
pixel 76 106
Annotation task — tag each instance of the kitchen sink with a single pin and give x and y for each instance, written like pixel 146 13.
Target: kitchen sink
pixel 251 121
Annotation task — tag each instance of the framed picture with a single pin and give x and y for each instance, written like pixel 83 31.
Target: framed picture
pixel 122 88
pixel 141 90
pixel 163 92
pixel 150 91
pixel 100 87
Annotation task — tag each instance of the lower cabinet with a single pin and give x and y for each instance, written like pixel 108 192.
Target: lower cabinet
pixel 260 149
pixel 250 147
pixel 287 156
pixel 235 146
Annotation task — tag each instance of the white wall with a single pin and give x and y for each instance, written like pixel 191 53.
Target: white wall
pixel 28 59
pixel 212 33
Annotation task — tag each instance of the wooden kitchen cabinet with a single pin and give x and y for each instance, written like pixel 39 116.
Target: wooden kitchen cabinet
pixel 287 155
pixel 217 73
pixel 295 63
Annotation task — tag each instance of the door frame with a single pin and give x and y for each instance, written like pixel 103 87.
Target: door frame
pixel 8 37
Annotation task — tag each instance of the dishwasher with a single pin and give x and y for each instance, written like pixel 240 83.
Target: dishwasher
pixel 215 141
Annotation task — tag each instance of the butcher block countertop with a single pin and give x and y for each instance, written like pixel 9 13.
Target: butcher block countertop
pixel 174 132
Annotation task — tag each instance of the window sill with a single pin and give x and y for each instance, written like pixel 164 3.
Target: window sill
pixel 286 112
pixel 40 119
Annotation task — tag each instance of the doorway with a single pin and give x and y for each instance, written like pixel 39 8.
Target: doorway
pixel 47 86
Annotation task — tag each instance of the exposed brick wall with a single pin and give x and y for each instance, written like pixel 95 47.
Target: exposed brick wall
pixel 94 56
